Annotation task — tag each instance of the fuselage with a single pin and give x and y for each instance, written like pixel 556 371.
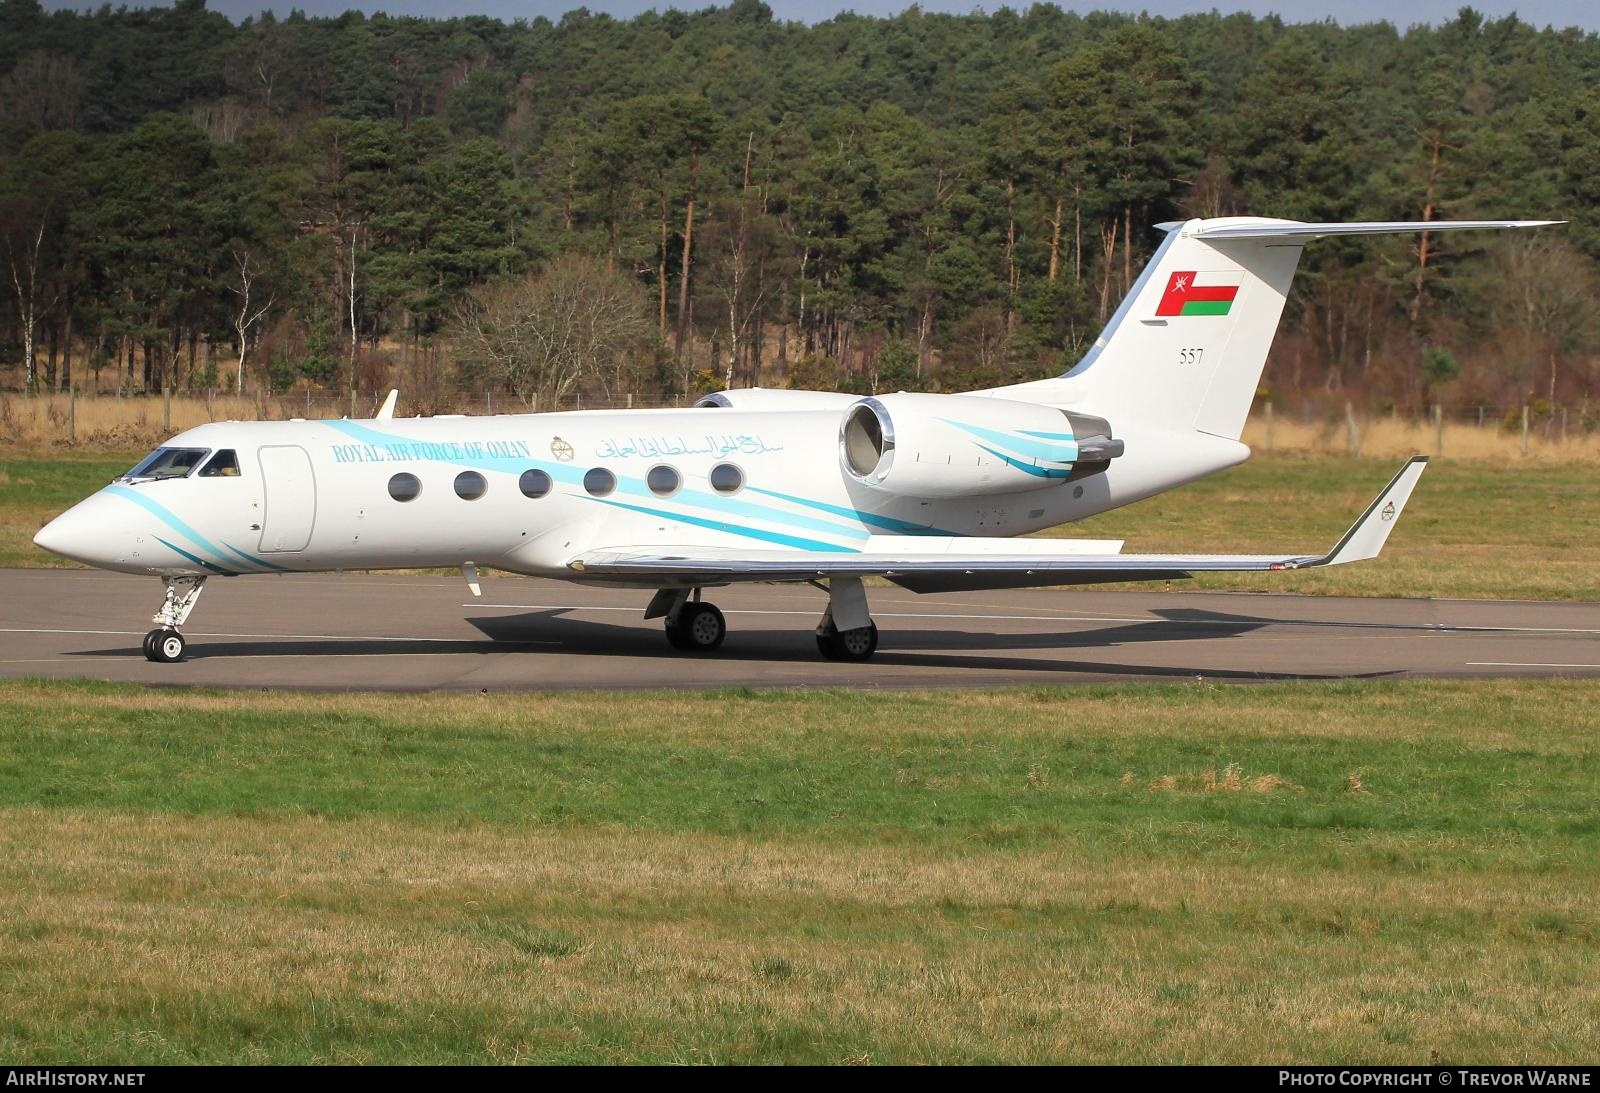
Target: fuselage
pixel 525 493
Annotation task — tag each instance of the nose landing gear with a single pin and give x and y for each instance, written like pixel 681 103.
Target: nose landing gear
pixel 164 644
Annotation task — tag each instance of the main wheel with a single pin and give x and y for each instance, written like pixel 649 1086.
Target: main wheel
pixel 700 628
pixel 164 646
pixel 858 644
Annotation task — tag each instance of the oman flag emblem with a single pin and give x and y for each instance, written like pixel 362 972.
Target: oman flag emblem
pixel 1199 293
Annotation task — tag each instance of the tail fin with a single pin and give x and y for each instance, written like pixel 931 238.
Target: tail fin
pixel 1186 348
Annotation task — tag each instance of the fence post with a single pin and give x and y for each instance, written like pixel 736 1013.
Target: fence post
pixel 72 413
pixel 1438 429
pixel 1351 438
pixel 1524 428
pixel 630 400
pixel 1268 408
pixel 166 408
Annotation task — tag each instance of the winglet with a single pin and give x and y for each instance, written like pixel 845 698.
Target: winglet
pixel 386 411
pixel 1368 534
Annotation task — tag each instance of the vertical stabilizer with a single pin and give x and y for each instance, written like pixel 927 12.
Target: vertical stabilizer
pixel 1185 350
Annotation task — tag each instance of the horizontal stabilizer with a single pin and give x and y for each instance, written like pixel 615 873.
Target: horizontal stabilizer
pixel 1289 229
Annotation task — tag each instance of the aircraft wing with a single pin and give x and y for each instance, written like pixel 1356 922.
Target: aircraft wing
pixel 941 564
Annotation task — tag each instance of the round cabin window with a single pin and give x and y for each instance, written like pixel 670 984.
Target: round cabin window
pixel 663 481
pixel 470 485
pixel 599 481
pixel 726 478
pixel 405 487
pixel 534 483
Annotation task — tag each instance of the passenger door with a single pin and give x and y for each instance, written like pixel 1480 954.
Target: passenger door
pixel 290 491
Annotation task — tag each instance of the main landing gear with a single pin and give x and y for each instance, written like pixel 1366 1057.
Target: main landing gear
pixel 846 632
pixel 693 626
pixel 164 644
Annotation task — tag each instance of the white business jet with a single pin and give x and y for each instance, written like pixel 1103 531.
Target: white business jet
pixel 928 491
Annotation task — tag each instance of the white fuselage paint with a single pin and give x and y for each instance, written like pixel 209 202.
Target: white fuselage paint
pixel 331 508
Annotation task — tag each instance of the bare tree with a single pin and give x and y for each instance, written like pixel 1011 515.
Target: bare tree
pixel 44 89
pixel 546 334
pixel 1548 291
pixel 246 318
pixel 23 237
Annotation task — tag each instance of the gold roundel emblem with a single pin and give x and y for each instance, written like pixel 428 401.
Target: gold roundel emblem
pixel 561 450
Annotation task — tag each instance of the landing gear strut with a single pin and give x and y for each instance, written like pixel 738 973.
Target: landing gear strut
pixel 164 644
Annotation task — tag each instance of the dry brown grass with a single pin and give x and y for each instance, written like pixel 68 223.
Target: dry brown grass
pixel 1397 438
pixel 1230 779
pixel 110 422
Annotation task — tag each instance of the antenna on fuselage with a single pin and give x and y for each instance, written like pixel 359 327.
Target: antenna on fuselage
pixel 386 411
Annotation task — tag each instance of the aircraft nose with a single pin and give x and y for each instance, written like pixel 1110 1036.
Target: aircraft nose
pixel 82 533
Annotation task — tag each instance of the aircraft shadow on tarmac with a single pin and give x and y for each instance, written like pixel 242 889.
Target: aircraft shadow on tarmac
pixel 910 648
pixel 556 630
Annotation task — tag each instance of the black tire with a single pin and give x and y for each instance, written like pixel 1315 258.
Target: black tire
pixel 700 629
pixel 849 645
pixel 168 646
pixel 150 645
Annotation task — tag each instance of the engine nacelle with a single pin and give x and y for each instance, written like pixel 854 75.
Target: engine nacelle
pixel 775 398
pixel 945 446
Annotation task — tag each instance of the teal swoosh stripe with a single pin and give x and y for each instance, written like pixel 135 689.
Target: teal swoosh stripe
pixel 746 510
pixel 171 519
pixel 572 474
pixel 1051 453
pixel 749 533
pixel 195 558
pixel 889 523
pixel 259 561
pixel 1037 472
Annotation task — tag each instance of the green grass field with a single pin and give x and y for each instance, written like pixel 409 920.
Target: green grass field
pixel 1177 873
pixel 1472 529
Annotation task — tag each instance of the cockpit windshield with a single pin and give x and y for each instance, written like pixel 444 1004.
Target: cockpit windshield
pixel 169 463
pixel 225 464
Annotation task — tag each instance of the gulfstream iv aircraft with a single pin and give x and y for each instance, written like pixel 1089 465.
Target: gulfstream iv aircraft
pixel 926 490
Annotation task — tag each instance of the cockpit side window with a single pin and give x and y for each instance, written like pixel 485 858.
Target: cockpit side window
pixel 170 463
pixel 225 464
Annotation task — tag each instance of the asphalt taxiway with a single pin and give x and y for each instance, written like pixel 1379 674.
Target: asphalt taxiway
pixel 402 632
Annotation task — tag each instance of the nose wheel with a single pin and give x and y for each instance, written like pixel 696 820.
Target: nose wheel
pixel 164 646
